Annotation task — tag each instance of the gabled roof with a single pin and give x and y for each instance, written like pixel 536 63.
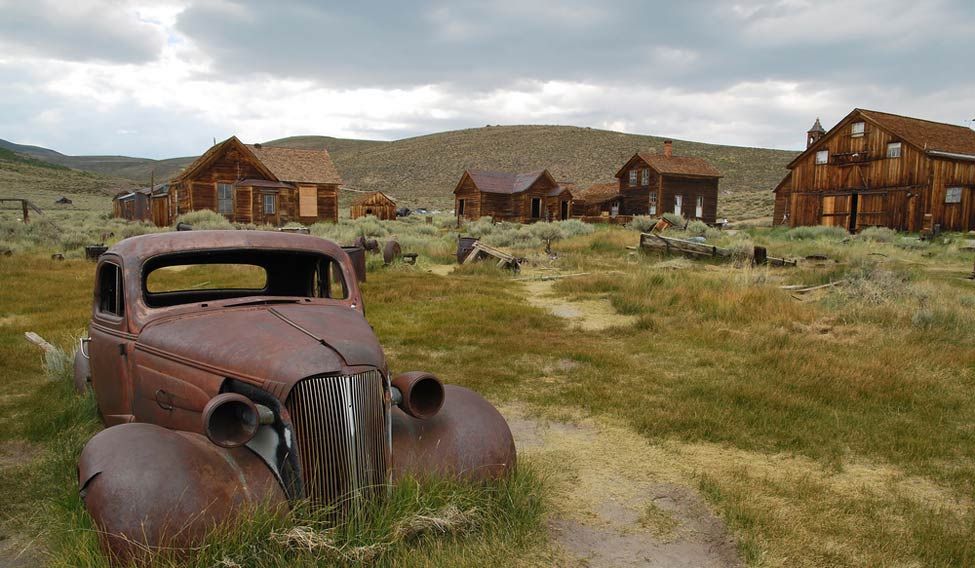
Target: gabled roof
pixel 925 134
pixel 366 197
pixel 298 166
pixel 784 183
pixel 674 165
pixel 599 192
pixel 933 138
pixel 507 183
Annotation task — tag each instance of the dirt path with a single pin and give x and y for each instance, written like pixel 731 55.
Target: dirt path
pixel 590 315
pixel 611 510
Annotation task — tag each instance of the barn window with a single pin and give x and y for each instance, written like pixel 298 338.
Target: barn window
pixel 632 177
pixel 111 300
pixel 461 205
pixel 308 201
pixel 270 204
pixel 645 177
pixel 822 157
pixel 857 129
pixel 699 207
pixel 678 205
pixel 225 198
pixel 653 204
pixel 953 195
pixel 536 208
pixel 894 150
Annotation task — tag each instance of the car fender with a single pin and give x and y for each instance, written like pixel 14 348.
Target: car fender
pixel 468 439
pixel 148 487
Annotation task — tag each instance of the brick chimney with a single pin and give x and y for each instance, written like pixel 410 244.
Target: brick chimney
pixel 668 148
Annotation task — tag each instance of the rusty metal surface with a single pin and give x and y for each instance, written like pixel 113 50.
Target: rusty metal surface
pixel 464 247
pixel 423 393
pixel 357 255
pixel 467 439
pixel 391 251
pixel 147 487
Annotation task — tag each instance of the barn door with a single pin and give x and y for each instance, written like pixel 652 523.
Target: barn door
pixel 871 211
pixel 835 210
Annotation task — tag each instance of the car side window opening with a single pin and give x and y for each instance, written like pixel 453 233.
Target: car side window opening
pixel 330 281
pixel 110 296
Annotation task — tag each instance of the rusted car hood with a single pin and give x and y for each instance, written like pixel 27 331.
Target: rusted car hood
pixel 282 342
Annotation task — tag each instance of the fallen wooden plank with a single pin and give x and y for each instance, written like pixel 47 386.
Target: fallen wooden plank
pixel 802 290
pixel 40 342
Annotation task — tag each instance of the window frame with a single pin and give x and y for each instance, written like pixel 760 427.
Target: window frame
pixel 679 204
pixel 699 206
pixel 645 177
pixel 274 203
pixel 632 177
pixel 892 145
pixel 652 209
pixel 824 154
pixel 229 187
pixel 858 133
pixel 956 190
pixel 119 313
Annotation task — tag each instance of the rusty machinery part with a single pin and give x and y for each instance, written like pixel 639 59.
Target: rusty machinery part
pixel 418 394
pixel 357 255
pixel 391 252
pixel 147 488
pixel 371 245
pixel 232 419
pixel 467 439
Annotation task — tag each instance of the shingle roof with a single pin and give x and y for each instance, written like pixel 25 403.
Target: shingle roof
pixel 293 165
pixel 503 182
pixel 679 165
pixel 598 192
pixel 925 134
pixel 365 198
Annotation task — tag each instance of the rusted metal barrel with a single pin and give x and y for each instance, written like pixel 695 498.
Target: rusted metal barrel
pixel 391 252
pixel 464 247
pixel 357 255
pixel 92 252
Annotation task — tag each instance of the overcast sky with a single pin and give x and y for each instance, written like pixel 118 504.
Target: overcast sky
pixel 163 78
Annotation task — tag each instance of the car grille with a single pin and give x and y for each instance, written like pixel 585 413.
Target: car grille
pixel 341 425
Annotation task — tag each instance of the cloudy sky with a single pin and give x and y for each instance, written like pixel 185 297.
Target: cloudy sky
pixel 162 78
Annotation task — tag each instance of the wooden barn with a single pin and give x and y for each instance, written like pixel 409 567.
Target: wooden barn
pixel 597 200
pixel 518 198
pixel 654 184
pixel 377 204
pixel 878 169
pixel 255 184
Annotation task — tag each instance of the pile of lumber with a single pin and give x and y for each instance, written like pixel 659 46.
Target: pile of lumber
pixel 671 245
pixel 481 251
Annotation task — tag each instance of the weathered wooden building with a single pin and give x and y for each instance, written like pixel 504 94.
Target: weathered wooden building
pixel 654 184
pixel 519 198
pixel 375 203
pixel 255 184
pixel 598 199
pixel 880 169
pixel 149 204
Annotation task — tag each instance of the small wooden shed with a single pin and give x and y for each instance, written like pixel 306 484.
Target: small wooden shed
pixel 377 204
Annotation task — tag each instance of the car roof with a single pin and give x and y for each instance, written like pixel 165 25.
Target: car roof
pixel 147 246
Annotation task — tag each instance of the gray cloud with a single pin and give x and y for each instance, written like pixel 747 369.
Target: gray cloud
pixel 78 30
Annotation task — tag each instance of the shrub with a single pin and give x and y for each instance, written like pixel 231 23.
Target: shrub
pixel 909 243
pixel 674 218
pixel 575 228
pixel 697 227
pixel 205 220
pixel 370 226
pixel 480 228
pixel 642 224
pixel 878 234
pixel 548 233
pixel 816 232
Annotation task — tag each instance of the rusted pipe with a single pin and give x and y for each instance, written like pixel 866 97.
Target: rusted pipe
pixel 418 393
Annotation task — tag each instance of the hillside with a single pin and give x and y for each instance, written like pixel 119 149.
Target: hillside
pixel 423 171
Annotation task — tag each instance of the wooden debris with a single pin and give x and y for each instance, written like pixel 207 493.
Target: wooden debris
pixel 802 288
pixel 481 251
pixel 40 342
pixel 671 245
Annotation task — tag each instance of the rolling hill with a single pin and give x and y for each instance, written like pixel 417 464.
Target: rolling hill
pixel 422 171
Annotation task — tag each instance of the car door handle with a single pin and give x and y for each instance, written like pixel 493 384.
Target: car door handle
pixel 165 400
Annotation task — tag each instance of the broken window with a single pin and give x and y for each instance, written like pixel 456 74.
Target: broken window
pixel 110 296
pixel 225 198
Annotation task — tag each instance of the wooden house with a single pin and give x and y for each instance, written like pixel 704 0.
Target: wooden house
pixel 597 200
pixel 376 203
pixel 880 169
pixel 149 204
pixel 518 198
pixel 257 184
pixel 654 184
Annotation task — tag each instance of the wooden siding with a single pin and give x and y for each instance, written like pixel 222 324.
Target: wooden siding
pixel 861 187
pixel 636 197
pixel 376 204
pixel 511 207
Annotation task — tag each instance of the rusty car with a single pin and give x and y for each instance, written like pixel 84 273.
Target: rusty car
pixel 236 369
